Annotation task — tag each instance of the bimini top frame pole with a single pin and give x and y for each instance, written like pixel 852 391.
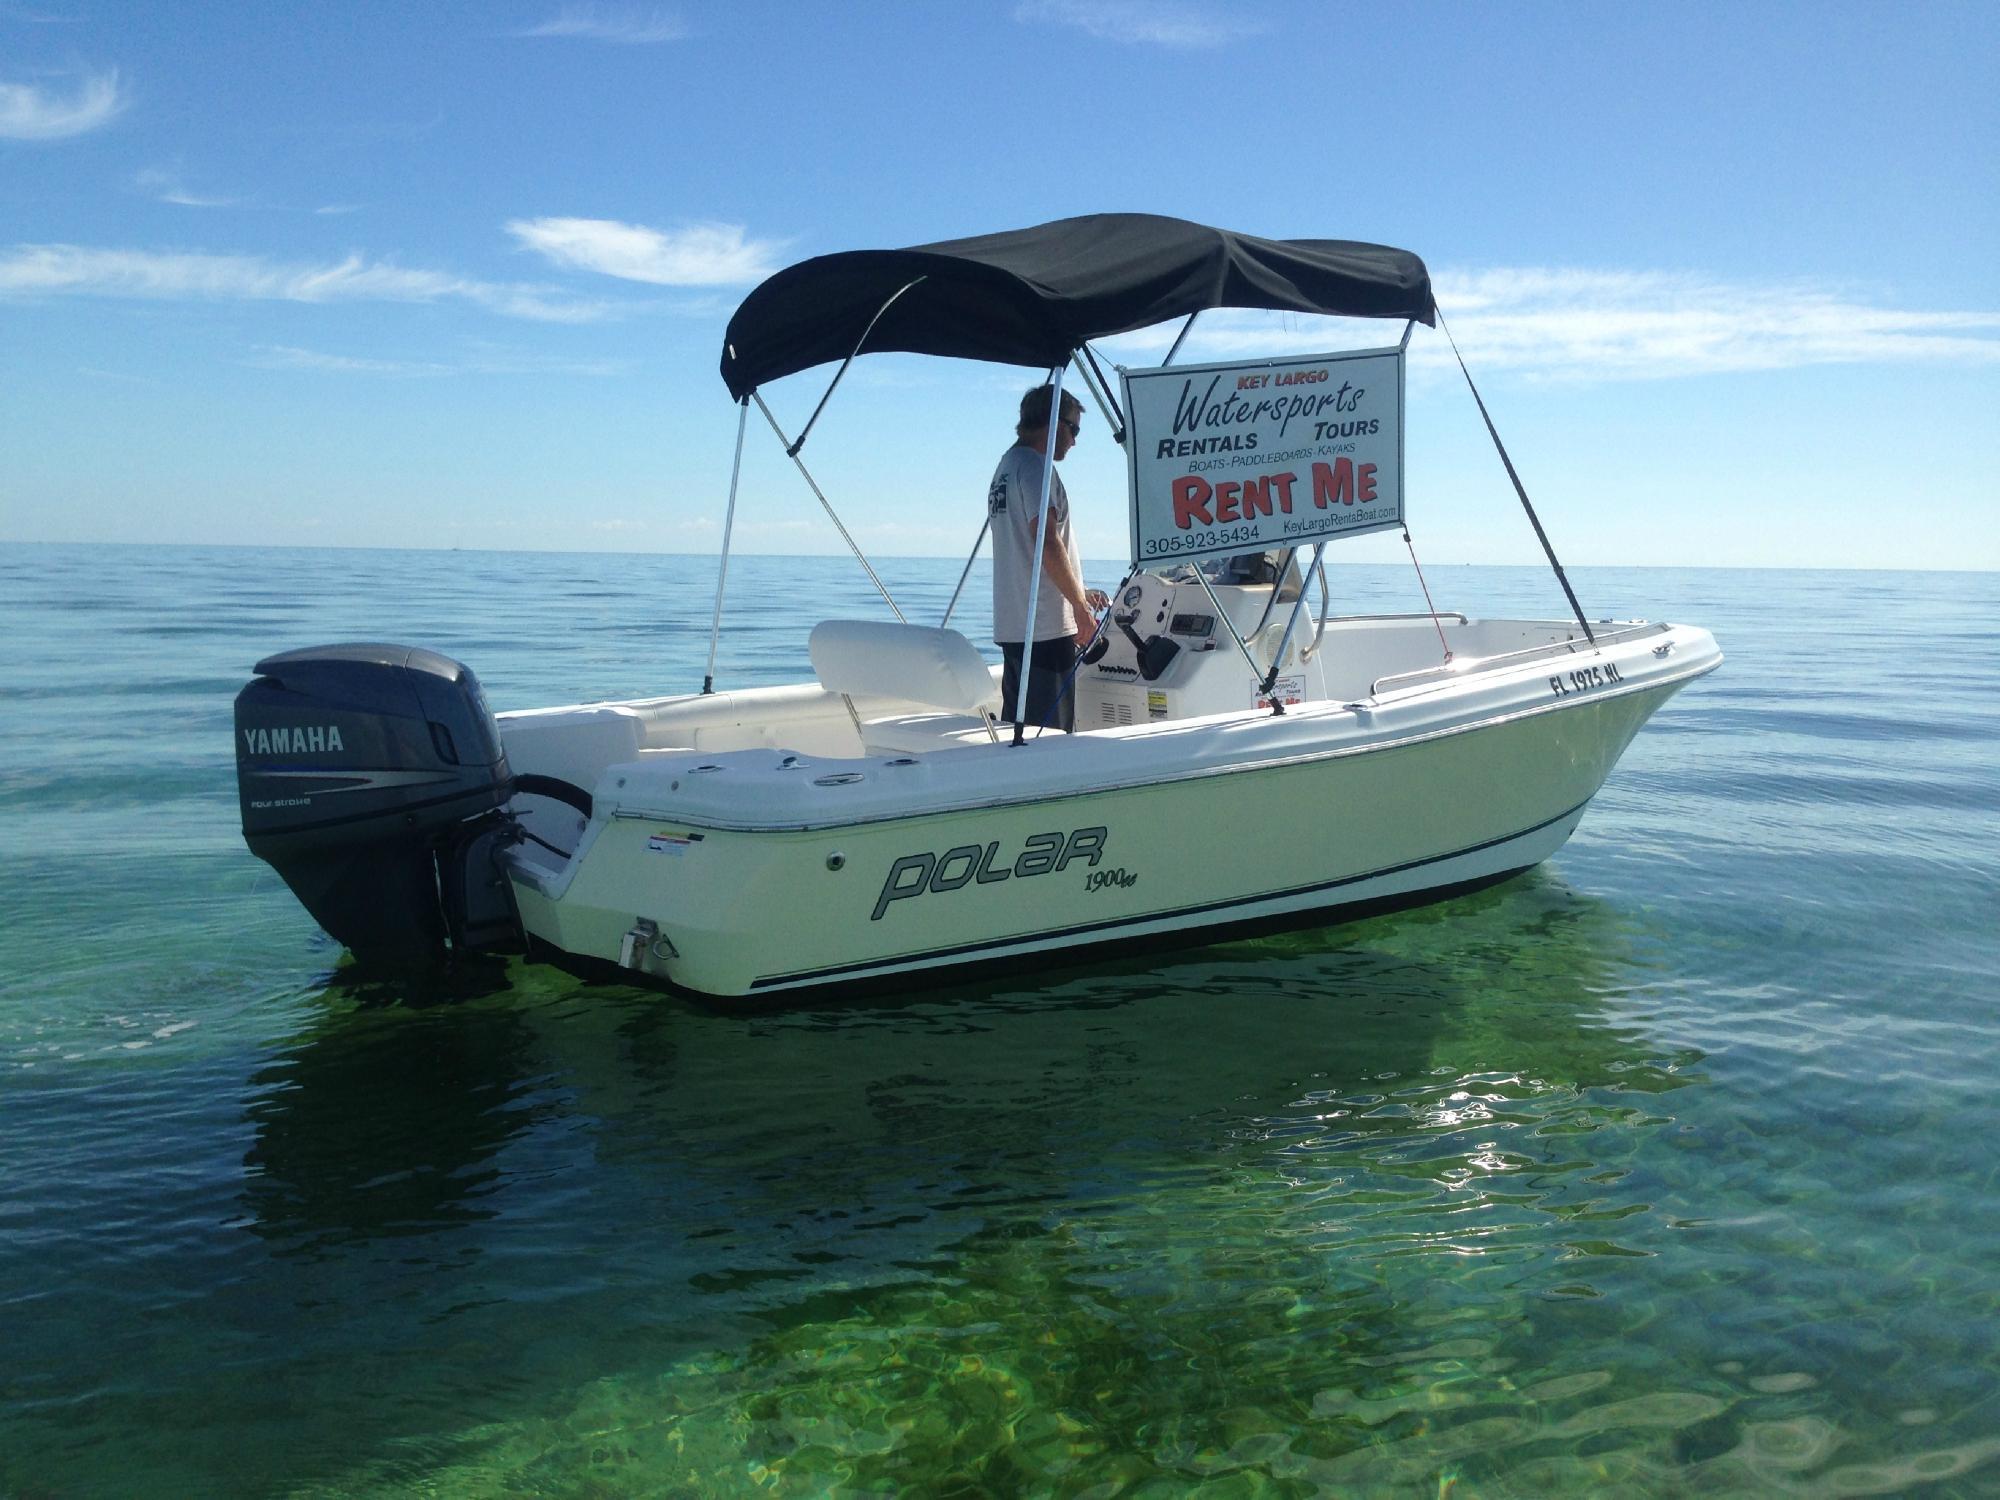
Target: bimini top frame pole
pixel 1100 392
pixel 1519 489
pixel 1041 541
pixel 792 450
pixel 792 447
pixel 1107 408
pixel 827 506
pixel 1269 687
pixel 728 530
pixel 966 572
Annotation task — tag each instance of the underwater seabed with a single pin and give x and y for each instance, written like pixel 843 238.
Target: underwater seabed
pixel 1362 1209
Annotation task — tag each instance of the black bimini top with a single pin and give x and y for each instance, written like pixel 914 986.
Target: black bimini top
pixel 1033 296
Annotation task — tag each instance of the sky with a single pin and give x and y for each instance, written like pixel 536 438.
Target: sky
pixel 377 274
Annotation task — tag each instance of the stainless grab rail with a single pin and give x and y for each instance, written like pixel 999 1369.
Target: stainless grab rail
pixel 1472 664
pixel 1449 616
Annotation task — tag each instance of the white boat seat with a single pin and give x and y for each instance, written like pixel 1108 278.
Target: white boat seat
pixel 910 663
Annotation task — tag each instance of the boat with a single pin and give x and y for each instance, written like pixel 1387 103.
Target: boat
pixel 1244 758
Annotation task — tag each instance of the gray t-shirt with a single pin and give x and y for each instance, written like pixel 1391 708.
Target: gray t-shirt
pixel 1014 505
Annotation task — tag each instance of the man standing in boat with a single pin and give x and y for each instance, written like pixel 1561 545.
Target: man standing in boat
pixel 1064 609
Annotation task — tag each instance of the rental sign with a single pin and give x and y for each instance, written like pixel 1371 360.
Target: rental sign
pixel 1272 453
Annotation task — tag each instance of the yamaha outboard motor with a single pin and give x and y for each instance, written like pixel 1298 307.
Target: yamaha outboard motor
pixel 373 781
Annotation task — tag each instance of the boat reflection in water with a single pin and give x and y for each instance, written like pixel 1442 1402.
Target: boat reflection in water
pixel 1265 1164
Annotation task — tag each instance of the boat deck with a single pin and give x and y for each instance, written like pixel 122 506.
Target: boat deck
pixel 1378 679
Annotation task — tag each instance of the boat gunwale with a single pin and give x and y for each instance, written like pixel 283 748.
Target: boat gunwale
pixel 1451 673
pixel 637 813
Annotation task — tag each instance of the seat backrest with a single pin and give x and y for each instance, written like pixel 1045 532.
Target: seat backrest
pixel 916 663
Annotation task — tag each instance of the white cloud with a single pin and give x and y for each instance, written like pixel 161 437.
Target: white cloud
pixel 480 362
pixel 627 25
pixel 1578 324
pixel 78 270
pixel 699 255
pixel 1159 23
pixel 29 112
pixel 285 357
pixel 1647 323
pixel 167 187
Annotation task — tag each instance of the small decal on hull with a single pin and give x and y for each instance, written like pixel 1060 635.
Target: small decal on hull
pixel 1287 690
pixel 671 843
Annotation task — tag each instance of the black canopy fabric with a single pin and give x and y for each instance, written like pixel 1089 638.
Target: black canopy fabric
pixel 1032 296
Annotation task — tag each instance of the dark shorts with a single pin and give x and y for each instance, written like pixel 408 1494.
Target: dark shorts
pixel 1048 671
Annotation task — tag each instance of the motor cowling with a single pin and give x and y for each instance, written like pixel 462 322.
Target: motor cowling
pixel 373 780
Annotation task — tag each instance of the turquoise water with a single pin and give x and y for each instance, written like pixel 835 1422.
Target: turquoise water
pixel 1665 1169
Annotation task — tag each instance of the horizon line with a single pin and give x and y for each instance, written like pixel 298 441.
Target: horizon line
pixel 943 557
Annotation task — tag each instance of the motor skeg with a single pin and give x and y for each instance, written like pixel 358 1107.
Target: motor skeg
pixel 372 779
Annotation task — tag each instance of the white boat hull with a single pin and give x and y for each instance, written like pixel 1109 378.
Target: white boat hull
pixel 764 871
